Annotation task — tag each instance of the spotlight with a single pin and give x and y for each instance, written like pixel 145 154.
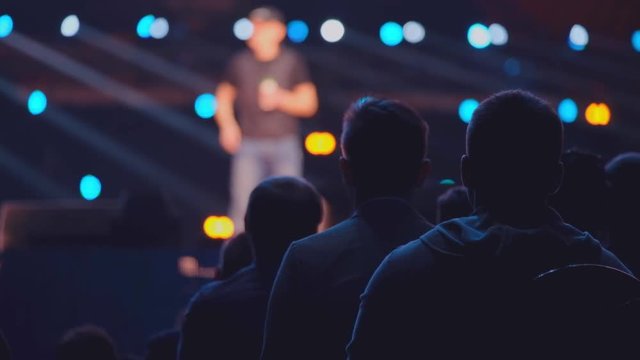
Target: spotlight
pixel 159 28
pixel 243 29
pixel 320 143
pixel 6 25
pixel 466 109
pixel 568 110
pixel 37 102
pixel 413 32
pixel 90 187
pixel 598 114
pixel 297 31
pixel 144 26
pixel 479 36
pixel 70 26
pixel 391 33
pixel 578 37
pixel 499 35
pixel 635 40
pixel 332 30
pixel 206 106
pixel 218 227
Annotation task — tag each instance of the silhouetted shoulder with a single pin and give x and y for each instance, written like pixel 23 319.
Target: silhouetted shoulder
pixel 319 248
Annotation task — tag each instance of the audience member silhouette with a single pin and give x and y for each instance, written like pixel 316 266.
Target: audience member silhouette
pixel 581 198
pixel 226 318
pixel 163 346
pixel 316 294
pixel 5 351
pixel 623 175
pixel 235 255
pixel 86 342
pixel 456 292
pixel 454 203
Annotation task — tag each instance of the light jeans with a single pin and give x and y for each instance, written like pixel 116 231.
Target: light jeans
pixel 256 160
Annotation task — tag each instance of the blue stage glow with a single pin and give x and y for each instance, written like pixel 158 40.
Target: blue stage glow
pixel 447 182
pixel 479 36
pixel 512 67
pixel 144 26
pixel 391 33
pixel 37 102
pixel 6 25
pixel 206 106
pixel 466 109
pixel 90 187
pixel 568 110
pixel 635 40
pixel 297 31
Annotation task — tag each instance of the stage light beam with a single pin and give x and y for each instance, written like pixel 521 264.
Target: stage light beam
pixel 90 187
pixel 568 110
pixel 70 26
pixel 243 29
pixel 159 28
pixel 37 102
pixel 332 30
pixel 6 25
pixel 297 31
pixel 144 26
pixel 479 36
pixel 466 109
pixel 578 37
pixel 413 32
pixel 391 33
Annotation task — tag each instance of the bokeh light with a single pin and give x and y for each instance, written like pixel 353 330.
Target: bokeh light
pixel 218 227
pixel 413 32
pixel 568 110
pixel 70 26
pixel 243 29
pixel 499 35
pixel 206 105
pixel 479 36
pixel 297 31
pixel 635 40
pixel 578 37
pixel 6 25
pixel 391 33
pixel 512 67
pixel 332 30
pixel 598 114
pixel 159 28
pixel 90 187
pixel 447 182
pixel 320 143
pixel 37 102
pixel 144 26
pixel 466 109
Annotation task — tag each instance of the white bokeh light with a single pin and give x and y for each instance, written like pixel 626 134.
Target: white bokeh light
pixel 159 28
pixel 499 35
pixel 578 37
pixel 413 32
pixel 243 29
pixel 70 26
pixel 332 30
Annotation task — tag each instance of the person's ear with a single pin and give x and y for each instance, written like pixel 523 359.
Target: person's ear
pixel 347 173
pixel 558 176
pixel 467 173
pixel 425 170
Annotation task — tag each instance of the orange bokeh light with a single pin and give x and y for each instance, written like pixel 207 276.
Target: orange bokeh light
pixel 320 143
pixel 598 114
pixel 218 227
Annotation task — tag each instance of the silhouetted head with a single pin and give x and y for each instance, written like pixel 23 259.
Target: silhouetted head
pixel 514 142
pixel 269 30
pixel 281 210
pixel 236 254
pixel 163 346
pixel 454 203
pixel 580 200
pixel 86 342
pixel 384 146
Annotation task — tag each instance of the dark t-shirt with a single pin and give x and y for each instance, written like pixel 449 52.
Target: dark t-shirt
pixel 247 75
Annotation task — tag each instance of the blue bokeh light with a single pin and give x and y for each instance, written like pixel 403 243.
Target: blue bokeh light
pixel 466 109
pixel 479 36
pixel 391 33
pixel 37 102
pixel 206 106
pixel 90 187
pixel 297 31
pixel 568 110
pixel 6 25
pixel 144 26
pixel 512 67
pixel 635 40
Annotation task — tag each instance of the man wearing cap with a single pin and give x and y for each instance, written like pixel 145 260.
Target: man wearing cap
pixel 264 91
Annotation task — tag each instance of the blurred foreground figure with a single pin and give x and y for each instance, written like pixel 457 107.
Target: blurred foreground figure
pixel 86 342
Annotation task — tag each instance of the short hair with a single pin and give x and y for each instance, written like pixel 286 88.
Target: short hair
pixel 236 253
pixel 267 13
pixel 280 210
pixel 385 142
pixel 454 203
pixel 516 139
pixel 86 342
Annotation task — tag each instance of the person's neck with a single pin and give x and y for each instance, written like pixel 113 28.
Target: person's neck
pixel 518 214
pixel 361 198
pixel 267 54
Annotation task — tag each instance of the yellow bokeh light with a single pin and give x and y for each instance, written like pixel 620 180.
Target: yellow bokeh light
pixel 320 143
pixel 218 227
pixel 598 114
